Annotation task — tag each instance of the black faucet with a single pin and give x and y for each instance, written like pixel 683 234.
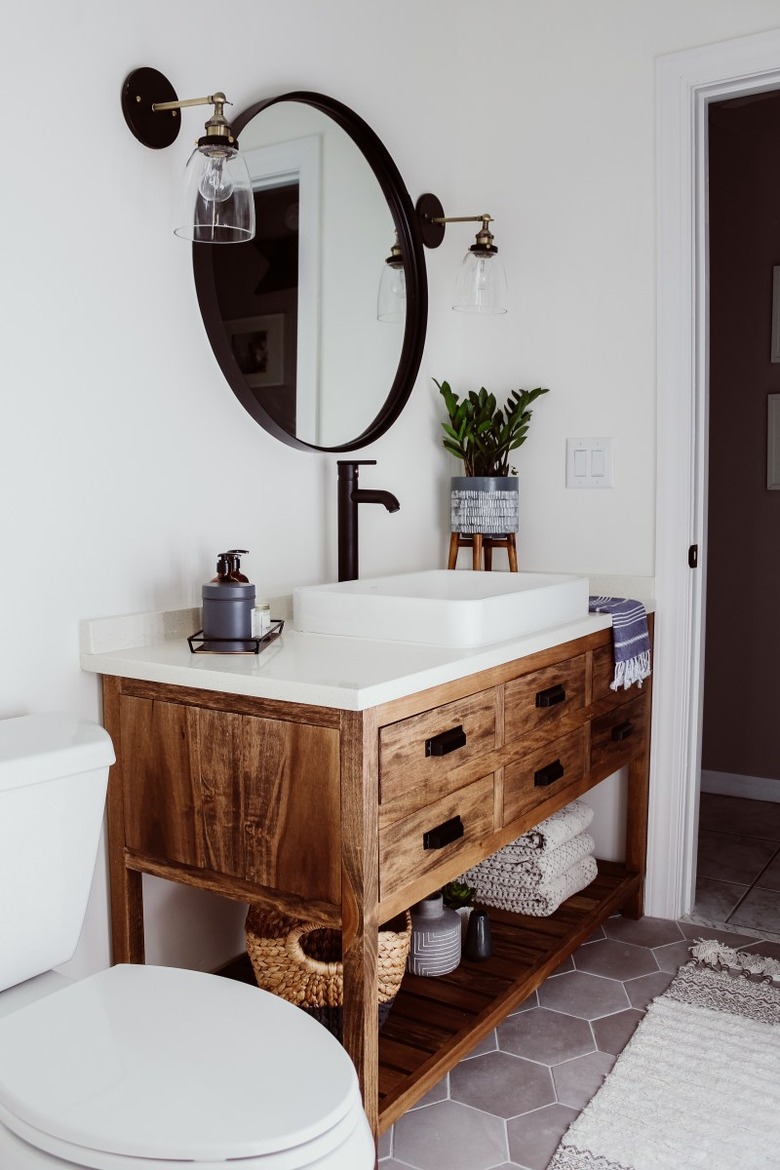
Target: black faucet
pixel 349 496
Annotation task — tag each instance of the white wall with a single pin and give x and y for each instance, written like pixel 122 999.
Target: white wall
pixel 117 426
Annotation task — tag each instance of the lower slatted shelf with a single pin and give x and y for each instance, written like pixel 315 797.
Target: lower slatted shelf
pixel 434 1022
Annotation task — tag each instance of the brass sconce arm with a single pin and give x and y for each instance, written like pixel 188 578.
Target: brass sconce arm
pixel 432 220
pixel 217 126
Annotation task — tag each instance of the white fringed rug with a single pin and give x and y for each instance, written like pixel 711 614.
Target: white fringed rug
pixel 698 1084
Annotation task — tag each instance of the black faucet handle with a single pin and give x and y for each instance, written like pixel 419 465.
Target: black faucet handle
pixel 356 462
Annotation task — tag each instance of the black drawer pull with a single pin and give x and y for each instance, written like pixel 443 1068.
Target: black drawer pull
pixel 548 775
pixel 551 697
pixel 437 838
pixel 446 741
pixel 622 731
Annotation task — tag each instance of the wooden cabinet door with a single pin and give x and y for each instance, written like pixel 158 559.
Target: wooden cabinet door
pixel 256 799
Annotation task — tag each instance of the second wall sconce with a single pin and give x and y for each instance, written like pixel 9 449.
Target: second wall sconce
pixel 391 299
pixel 481 283
pixel 216 204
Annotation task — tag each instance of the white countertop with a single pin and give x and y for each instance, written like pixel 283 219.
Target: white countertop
pixel 321 670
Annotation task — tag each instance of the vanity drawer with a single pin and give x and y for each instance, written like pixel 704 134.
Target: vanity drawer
pixel 533 778
pixel 620 735
pixel 416 845
pixel 549 701
pixel 423 757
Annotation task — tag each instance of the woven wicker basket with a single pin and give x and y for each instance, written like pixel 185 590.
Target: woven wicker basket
pixel 300 961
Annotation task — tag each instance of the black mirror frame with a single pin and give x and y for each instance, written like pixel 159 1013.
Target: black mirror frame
pixel 406 224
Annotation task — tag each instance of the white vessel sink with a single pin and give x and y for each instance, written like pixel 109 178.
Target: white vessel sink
pixel 442 607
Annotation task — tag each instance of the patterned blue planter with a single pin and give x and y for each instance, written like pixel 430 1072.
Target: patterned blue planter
pixel 486 504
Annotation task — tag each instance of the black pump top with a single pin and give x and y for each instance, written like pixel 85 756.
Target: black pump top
pixel 229 565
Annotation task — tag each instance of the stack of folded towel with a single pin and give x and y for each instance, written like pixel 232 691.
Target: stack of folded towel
pixel 542 868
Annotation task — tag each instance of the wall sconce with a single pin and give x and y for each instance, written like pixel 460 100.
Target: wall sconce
pixel 391 299
pixel 481 283
pixel 216 204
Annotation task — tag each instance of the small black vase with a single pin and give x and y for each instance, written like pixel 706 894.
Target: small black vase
pixel 478 942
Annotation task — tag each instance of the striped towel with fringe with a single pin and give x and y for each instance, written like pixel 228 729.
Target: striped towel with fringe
pixel 630 638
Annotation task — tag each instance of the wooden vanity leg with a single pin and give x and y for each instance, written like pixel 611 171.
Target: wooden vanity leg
pixel 636 827
pixel 127 907
pixel 359 899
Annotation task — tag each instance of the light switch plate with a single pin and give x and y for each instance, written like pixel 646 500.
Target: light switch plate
pixel 589 463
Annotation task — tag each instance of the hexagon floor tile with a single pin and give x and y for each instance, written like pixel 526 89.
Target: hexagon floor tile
pixel 507 1104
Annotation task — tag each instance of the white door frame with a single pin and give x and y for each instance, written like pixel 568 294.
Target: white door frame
pixel 687 83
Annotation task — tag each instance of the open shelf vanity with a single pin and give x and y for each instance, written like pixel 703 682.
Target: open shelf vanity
pixel 244 785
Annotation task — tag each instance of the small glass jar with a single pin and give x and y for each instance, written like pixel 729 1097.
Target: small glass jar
pixel 261 620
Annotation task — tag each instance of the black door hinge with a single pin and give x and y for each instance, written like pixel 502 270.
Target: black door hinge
pixel 693 556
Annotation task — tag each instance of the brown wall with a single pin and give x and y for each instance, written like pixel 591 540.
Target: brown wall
pixel 742 666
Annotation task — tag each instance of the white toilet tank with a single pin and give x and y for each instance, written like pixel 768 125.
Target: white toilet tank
pixel 53 778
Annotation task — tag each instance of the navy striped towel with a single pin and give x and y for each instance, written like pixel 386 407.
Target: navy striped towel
pixel 630 638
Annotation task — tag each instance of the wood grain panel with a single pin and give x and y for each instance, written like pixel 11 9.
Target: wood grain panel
pixel 522 714
pixel 270 801
pixel 402 856
pixel 161 792
pixel 237 704
pixel 404 766
pixel 603 673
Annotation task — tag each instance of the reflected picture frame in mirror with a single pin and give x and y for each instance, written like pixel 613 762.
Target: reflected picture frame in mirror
pixel 247 347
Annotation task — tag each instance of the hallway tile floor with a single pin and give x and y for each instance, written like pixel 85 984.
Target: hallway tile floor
pixel 738 871
pixel 507 1104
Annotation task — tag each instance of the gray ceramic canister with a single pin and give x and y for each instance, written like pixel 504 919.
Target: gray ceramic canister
pixel 227 613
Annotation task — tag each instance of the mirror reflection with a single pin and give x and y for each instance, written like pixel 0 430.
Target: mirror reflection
pixel 298 304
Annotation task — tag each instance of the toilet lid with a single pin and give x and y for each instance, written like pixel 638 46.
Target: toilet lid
pixel 159 1062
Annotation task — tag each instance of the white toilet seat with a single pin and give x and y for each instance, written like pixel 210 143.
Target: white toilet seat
pixel 138 1067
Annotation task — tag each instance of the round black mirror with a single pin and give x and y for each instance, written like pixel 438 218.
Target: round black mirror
pixel 292 315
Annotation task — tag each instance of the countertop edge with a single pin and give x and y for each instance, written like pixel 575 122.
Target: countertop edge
pixel 165 662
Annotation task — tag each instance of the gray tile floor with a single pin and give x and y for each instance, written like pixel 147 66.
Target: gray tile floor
pixel 738 871
pixel 508 1103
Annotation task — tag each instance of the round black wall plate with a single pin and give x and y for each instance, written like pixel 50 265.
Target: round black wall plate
pixel 429 208
pixel 142 88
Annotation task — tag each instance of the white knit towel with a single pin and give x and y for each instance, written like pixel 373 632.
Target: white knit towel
pixel 553 832
pixel 506 868
pixel 544 899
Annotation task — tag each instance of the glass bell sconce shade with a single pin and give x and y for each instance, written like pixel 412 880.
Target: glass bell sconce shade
pixel 216 204
pixel 391 298
pixel 481 285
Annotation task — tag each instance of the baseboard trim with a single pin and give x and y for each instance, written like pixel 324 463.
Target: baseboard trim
pixel 749 787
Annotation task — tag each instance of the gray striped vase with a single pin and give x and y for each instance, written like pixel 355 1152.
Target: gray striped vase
pixel 435 944
pixel 484 503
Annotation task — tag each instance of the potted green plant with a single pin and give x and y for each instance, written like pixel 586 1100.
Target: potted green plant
pixel 483 434
pixel 460 897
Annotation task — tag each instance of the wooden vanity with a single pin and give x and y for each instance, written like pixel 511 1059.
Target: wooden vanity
pixel 347 815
